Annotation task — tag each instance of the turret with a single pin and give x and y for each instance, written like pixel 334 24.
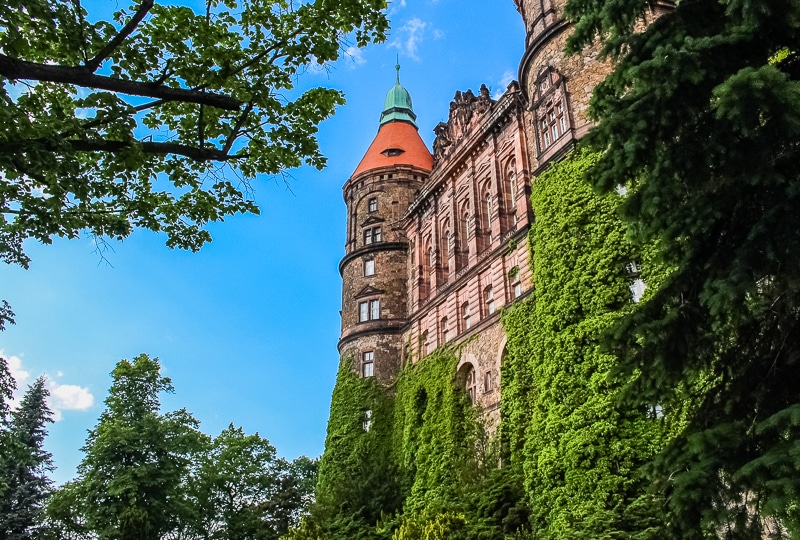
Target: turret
pixel 374 281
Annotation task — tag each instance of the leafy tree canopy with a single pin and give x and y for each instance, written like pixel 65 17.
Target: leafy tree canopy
pixel 701 119
pixel 131 481
pixel 110 125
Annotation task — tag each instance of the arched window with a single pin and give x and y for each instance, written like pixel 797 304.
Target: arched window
pixel 486 219
pixel 425 270
pixel 488 199
pixel 444 240
pixel 463 235
pixel 472 385
pixel 511 186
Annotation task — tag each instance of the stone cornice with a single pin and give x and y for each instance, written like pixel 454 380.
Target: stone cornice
pixel 371 248
pixel 540 41
pixel 379 326
pixel 495 118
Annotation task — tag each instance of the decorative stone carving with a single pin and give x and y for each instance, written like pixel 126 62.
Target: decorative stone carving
pixel 465 112
pixel 550 105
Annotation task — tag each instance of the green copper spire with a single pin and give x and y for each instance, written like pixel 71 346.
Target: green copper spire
pixel 397 107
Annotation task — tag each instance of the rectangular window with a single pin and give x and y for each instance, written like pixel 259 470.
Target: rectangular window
pixel 517 290
pixel 367 420
pixel 637 289
pixel 489 300
pixel 376 234
pixel 369 267
pixel 369 311
pixel 368 236
pixel 487 381
pixel 367 364
pixel 372 205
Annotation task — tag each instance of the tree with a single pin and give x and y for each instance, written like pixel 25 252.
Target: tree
pixel 701 120
pixel 7 450
pixel 111 125
pixel 131 482
pixel 295 494
pixel 28 486
pixel 234 480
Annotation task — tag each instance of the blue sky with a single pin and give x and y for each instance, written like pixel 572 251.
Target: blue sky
pixel 246 328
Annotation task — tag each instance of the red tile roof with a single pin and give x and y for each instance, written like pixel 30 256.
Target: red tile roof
pixel 401 136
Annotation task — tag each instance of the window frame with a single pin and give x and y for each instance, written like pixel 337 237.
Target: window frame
pixel 368 364
pixel 369 267
pixel 488 296
pixel 372 205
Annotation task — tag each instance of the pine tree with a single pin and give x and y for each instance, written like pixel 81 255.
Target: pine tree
pixel 28 486
pixel 701 120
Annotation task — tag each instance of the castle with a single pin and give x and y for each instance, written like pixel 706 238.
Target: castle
pixel 436 242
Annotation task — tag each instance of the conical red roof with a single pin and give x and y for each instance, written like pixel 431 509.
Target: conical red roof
pixel 397 143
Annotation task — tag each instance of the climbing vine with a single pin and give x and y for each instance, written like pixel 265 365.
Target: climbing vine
pixel 571 450
pixel 563 421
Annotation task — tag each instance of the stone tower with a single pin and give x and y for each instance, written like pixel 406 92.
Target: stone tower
pixel 373 270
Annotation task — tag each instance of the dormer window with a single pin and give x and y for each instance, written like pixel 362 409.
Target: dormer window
pixel 392 152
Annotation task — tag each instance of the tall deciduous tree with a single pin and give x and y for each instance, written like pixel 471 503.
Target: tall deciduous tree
pixel 26 476
pixel 701 118
pixel 110 125
pixel 232 481
pixel 132 479
pixel 7 387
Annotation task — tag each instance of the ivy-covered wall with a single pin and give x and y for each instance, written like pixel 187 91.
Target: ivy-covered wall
pixel 579 446
pixel 565 462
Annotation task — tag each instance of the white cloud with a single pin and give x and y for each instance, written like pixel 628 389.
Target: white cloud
pixel 438 34
pixel 63 397
pixel 68 397
pixel 410 35
pixel 396 6
pixel 15 367
pixel 508 76
pixel 354 56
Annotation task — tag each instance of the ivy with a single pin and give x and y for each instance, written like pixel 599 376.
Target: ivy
pixel 572 449
pixel 564 423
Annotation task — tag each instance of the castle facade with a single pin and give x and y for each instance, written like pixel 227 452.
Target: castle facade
pixel 436 241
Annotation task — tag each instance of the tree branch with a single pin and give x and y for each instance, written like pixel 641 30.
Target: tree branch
pixel 95 62
pixel 161 148
pixel 16 148
pixel 236 128
pixel 14 68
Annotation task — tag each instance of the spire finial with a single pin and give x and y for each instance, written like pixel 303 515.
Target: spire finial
pixel 397 67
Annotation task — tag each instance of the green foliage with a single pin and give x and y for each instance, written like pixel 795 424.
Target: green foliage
pixel 132 479
pixel 148 474
pixel 703 111
pixel 436 431
pixel 563 421
pixel 25 475
pixel 111 125
pixel 358 477
pixel 442 526
pixel 232 480
pixel 432 452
